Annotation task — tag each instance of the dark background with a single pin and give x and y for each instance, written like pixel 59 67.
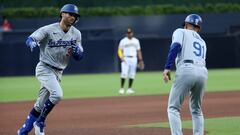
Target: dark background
pixel 101 36
pixel 107 3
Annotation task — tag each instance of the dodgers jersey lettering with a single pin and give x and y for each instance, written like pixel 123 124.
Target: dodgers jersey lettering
pixel 193 47
pixel 129 46
pixel 55 44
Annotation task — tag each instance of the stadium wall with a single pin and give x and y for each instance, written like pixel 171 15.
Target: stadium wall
pixel 102 34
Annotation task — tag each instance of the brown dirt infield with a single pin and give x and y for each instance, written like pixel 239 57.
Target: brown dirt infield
pixel 110 115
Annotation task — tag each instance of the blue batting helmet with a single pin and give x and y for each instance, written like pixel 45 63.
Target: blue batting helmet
pixel 194 19
pixel 70 8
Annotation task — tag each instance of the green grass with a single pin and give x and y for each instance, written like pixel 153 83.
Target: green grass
pixel 213 126
pixel 224 79
pixel 146 83
pixel 101 85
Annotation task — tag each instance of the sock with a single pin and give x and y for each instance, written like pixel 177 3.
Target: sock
pixel 35 113
pixel 28 124
pixel 48 106
pixel 122 82
pixel 130 83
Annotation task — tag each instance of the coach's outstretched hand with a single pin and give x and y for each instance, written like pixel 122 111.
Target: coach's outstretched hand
pixel 77 52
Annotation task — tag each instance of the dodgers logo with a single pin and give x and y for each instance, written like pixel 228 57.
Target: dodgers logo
pixel 61 43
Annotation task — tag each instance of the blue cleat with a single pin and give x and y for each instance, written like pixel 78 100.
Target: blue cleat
pixel 27 126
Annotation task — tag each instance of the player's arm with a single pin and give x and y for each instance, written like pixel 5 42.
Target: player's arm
pixel 120 50
pixel 139 54
pixel 34 39
pixel 120 54
pixel 172 54
pixel 141 65
pixel 175 48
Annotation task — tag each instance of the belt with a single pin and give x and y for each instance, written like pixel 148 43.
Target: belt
pixel 56 68
pixel 194 62
pixel 188 61
pixel 129 56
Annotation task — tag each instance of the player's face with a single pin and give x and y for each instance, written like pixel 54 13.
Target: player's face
pixel 130 35
pixel 68 18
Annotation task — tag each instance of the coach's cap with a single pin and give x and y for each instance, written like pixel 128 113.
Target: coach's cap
pixel 129 30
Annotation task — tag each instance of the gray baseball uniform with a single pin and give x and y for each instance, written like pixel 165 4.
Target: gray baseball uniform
pixel 58 42
pixel 55 51
pixel 191 76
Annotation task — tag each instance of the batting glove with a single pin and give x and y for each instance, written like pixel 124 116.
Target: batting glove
pixel 77 52
pixel 31 43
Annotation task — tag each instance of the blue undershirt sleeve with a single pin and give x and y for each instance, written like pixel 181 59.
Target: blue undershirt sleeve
pixel 172 54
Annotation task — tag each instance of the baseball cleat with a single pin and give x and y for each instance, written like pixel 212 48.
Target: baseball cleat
pixel 121 91
pixel 130 91
pixel 39 128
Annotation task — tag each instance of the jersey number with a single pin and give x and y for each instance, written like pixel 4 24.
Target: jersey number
pixel 199 49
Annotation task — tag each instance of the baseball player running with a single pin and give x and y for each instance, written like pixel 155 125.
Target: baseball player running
pixel 189 49
pixel 129 52
pixel 58 42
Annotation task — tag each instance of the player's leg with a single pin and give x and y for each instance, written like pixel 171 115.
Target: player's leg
pixel 130 82
pixel 196 112
pixel 131 74
pixel 174 110
pixel 39 124
pixel 124 73
pixel 34 113
pixel 179 91
pixel 195 101
pixel 50 81
pixel 56 94
pixel 122 82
